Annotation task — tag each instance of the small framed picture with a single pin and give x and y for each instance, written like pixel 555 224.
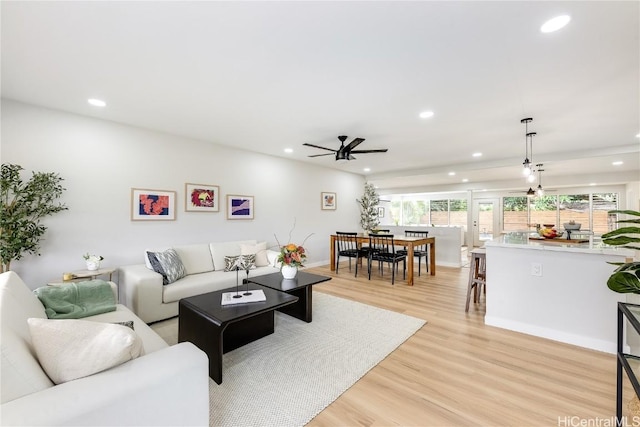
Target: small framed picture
pixel 328 201
pixel 380 212
pixel 153 205
pixel 239 207
pixel 201 198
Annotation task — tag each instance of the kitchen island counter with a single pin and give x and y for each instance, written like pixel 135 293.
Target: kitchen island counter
pixel 554 291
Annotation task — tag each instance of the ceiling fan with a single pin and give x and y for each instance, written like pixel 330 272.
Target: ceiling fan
pixel 345 153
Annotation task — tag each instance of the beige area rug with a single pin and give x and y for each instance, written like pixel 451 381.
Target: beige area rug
pixel 287 378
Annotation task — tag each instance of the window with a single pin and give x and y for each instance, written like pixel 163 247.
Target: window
pixel 602 221
pixel 414 212
pixel 439 210
pixel 515 213
pixel 591 211
pixel 544 210
pixel 574 208
pixel 458 212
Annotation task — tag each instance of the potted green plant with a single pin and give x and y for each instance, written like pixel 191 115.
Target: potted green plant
pixel 369 218
pixel 625 278
pixel 22 207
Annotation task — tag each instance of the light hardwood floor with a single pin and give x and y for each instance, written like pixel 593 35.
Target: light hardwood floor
pixel 455 371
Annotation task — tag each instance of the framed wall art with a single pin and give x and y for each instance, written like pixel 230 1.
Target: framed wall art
pixel 201 198
pixel 380 212
pixel 153 205
pixel 239 207
pixel 328 201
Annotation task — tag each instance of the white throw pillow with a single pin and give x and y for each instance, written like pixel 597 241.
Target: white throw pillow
pixel 260 250
pixel 72 349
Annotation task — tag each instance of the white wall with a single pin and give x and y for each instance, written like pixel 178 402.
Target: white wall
pixel 101 161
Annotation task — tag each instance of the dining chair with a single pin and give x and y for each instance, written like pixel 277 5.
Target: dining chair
pixel 381 249
pixel 348 247
pixel 477 275
pixel 419 251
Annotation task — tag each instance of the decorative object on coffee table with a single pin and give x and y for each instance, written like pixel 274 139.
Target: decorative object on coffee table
pixel 246 269
pixel 289 272
pixel 237 267
pixel 291 256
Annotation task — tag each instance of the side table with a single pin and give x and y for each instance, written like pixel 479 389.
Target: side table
pixel 80 275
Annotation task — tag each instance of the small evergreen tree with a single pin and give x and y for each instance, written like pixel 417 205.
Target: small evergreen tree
pixel 22 206
pixel 369 208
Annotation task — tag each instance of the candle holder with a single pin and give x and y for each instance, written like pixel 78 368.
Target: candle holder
pixel 237 295
pixel 247 282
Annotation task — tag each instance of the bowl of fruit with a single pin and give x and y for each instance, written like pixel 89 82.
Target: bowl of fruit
pixel 549 232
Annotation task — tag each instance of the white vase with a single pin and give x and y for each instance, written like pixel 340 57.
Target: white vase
pixel 93 265
pixel 289 272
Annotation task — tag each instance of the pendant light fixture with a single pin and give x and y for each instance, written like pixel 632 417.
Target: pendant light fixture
pixel 540 190
pixel 530 192
pixel 528 149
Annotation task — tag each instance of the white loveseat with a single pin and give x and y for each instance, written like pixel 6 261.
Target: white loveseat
pixel 165 386
pixel 142 289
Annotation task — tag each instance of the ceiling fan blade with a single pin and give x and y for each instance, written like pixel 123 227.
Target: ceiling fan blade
pixel 320 155
pixel 382 150
pixel 322 148
pixel 353 144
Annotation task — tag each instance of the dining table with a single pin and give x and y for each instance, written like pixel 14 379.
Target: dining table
pixel 408 242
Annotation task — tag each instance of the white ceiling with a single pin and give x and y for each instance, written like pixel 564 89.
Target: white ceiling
pixel 264 76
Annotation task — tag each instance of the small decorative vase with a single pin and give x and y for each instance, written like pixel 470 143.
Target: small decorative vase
pixel 289 272
pixel 93 265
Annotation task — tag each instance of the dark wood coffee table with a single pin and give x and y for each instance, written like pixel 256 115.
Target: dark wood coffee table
pixel 218 329
pixel 300 286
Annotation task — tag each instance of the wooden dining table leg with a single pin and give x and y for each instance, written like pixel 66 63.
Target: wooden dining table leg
pixel 410 264
pixel 432 258
pixel 332 252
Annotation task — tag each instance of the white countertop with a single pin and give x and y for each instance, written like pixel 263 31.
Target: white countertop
pixel 523 242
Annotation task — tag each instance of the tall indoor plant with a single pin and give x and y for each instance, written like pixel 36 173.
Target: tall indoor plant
pixel 23 206
pixel 369 219
pixel 625 278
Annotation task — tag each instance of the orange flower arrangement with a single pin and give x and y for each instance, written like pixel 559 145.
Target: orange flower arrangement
pixel 292 255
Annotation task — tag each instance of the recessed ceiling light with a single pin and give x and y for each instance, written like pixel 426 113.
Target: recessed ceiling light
pixel 465 180
pixel 426 114
pixel 452 173
pixel 288 150
pixel 618 163
pixel 477 154
pixel 96 102
pixel 367 169
pixel 554 24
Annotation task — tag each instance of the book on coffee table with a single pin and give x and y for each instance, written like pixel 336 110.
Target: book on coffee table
pixel 256 296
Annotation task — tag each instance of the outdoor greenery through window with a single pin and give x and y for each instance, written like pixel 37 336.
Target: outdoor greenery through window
pixel 590 211
pixel 422 211
pixel 519 213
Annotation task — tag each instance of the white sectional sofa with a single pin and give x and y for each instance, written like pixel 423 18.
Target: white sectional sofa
pixel 165 386
pixel 142 288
